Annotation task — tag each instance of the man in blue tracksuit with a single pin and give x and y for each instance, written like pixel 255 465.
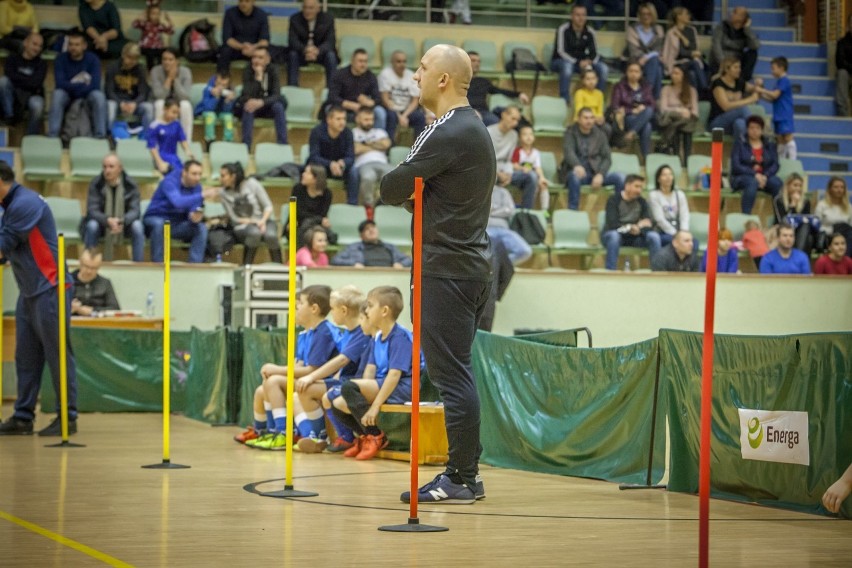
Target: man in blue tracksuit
pixel 28 241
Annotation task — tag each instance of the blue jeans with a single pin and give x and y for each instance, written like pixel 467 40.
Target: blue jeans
pixel 136 232
pixel 61 100
pixel 613 240
pixel 573 182
pixel 527 182
pixel 144 112
pixel 733 122
pixel 641 125
pixel 653 73
pixel 748 185
pixel 35 105
pixel 566 69
pixel 278 115
pixel 186 231
pixel 516 247
pixel 417 121
pixel 296 60
pixel 698 75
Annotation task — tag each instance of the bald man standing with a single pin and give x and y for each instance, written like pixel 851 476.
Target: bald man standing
pixel 455 157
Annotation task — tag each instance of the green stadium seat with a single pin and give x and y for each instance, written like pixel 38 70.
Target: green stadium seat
pixel 787 166
pixel 300 106
pixel 304 152
pixel 41 157
pixel 549 167
pixel 403 44
pixel 655 161
pixel 397 154
pixel 87 155
pixel 694 164
pixel 136 159
pixel 498 100
pixel 348 45
pixel 196 148
pixel 344 220
pixel 224 152
pixel 549 114
pixel 547 54
pixel 487 51
pixel 571 233
pixel 394 225
pixel 143 206
pixel 735 222
pixel 196 93
pixel 213 209
pixel 268 155
pixel 703 116
pixel 699 226
pixel 625 164
pixel 67 215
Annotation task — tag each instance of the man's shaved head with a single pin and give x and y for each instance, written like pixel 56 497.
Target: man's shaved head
pixel 445 73
pixel 455 62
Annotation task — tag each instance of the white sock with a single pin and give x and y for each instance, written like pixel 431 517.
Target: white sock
pixel 279 413
pixel 544 199
pixel 792 150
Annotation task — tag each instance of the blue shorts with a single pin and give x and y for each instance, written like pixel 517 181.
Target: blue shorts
pixel 783 126
pixel 330 383
pixel 332 393
pixel 400 395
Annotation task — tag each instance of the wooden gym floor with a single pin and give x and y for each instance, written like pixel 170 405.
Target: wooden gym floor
pixel 95 506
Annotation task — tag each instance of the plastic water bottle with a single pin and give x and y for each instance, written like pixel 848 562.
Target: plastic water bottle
pixel 626 266
pixel 149 305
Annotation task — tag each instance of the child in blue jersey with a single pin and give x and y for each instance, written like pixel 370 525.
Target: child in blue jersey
pixel 782 109
pixel 386 378
pixel 315 346
pixel 315 387
pixel 217 104
pixel 164 137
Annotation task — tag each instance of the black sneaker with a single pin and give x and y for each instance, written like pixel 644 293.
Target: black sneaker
pixel 16 427
pixel 442 490
pixel 55 428
pixel 479 490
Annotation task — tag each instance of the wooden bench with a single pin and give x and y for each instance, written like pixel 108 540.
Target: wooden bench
pixel 433 445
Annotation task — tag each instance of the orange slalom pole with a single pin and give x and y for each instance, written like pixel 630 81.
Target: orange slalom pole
pixel 417 282
pixel 707 363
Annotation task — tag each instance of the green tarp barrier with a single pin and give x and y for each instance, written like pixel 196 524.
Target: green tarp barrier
pixel 207 383
pixel 259 347
pixel 122 371
pixel 563 338
pixel 810 373
pixel 582 412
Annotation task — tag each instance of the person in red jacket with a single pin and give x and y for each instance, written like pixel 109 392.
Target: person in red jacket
pixel 835 261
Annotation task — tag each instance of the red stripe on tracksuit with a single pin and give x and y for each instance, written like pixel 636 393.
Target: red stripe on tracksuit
pixel 42 255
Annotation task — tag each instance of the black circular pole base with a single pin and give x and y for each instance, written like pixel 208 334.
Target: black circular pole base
pixel 288 492
pixel 65 444
pixel 413 526
pixel 166 464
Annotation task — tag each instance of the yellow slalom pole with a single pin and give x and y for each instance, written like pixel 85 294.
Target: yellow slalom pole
pixel 291 342
pixel 2 272
pixel 63 352
pixel 167 386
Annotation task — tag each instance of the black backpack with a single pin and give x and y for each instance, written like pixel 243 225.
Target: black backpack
pixel 523 59
pixel 198 42
pixel 528 226
pixel 77 121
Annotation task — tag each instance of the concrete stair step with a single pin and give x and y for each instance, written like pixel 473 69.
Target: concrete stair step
pixel 818 181
pixel 771 33
pixel 819 144
pixel 822 163
pixel 808 86
pixel 791 50
pixel 828 126
pixel 761 17
pixel 802 66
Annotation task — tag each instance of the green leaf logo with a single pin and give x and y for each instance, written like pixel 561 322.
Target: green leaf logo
pixel 755 433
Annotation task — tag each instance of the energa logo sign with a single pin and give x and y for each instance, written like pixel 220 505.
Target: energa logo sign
pixel 776 436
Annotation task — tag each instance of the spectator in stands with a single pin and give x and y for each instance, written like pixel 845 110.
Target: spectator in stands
pixel 834 211
pixel 355 86
pixel 313 201
pixel 169 79
pixel 92 292
pixel 17 20
pixel 587 158
pixel 785 259
pixel 574 50
pixel 505 140
pixel 311 39
pixel 727 259
pixel 371 159
pixel 645 45
pixel 701 10
pixel 634 105
pixel 401 96
pixel 669 206
pixel 843 61
pixel 245 27
pixel 628 222
pixel 729 99
pixel 791 205
pixel 835 261
pixel 22 87
pixel 163 139
pixel 754 165
pixel 587 95
pixel 754 241
pixel 332 146
pixel 152 26
pixel 127 90
pixel 502 209
pixel 249 212
pixel 261 97
pixel 101 22
pixel 782 108
pixel 677 256
pixel 611 8
pixel 313 253
pixel 735 39
pixel 681 49
pixel 838 492
pixel 527 158
pixel 77 75
pixel 371 251
pixel 677 115
pixel 217 105
pixel 179 199
pixel 481 88
pixel 112 209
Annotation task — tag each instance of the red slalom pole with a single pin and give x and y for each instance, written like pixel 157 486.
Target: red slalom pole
pixel 413 524
pixel 707 363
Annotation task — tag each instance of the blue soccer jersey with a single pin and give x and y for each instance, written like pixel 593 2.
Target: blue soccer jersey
pixel 354 350
pixel 782 107
pixel 166 137
pixel 394 352
pixel 323 344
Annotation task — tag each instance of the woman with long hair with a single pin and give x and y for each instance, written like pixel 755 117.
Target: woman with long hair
pixel 645 44
pixel 633 107
pixel 680 49
pixel 730 96
pixel 834 212
pixel 249 212
pixel 678 114
pixel 792 206
pixel 669 206
pixel 313 201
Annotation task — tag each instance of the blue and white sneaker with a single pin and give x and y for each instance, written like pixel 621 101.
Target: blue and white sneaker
pixel 479 491
pixel 442 490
